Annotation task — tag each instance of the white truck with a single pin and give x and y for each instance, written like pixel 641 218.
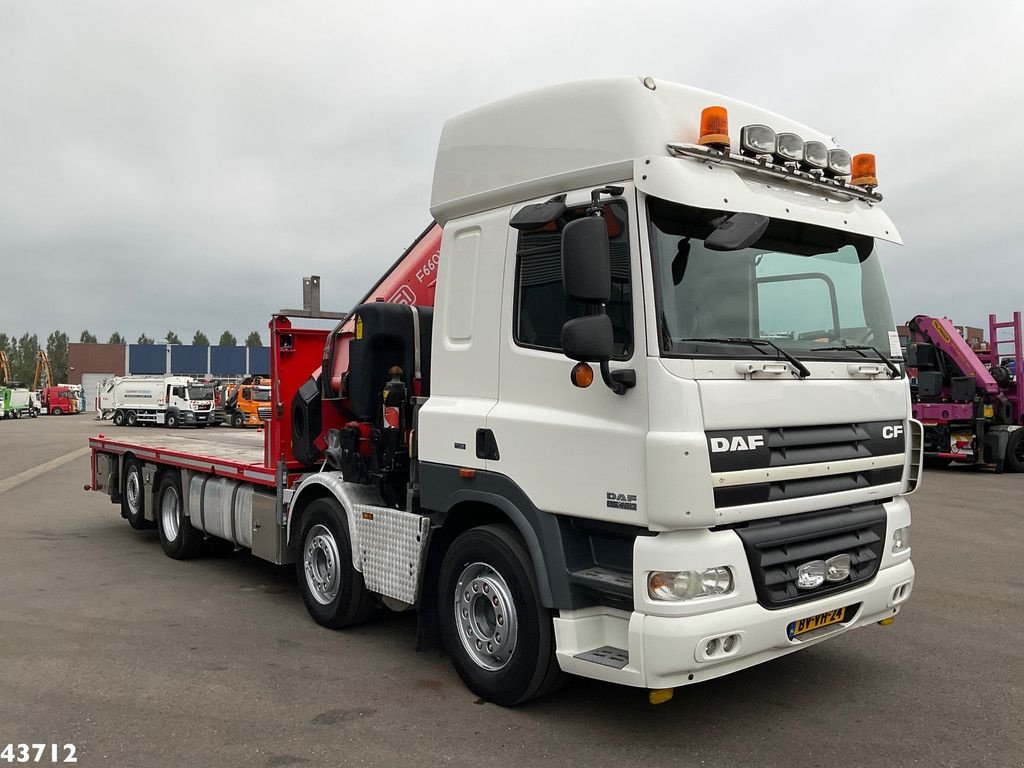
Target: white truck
pixel 729 486
pixel 173 401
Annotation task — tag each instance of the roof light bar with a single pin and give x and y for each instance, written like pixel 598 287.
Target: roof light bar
pixel 770 170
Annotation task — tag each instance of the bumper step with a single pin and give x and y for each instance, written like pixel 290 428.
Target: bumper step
pixel 606 656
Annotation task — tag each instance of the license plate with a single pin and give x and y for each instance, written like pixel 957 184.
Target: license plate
pixel 812 623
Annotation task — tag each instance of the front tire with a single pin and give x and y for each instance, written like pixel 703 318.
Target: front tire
pixel 133 497
pixel 499 636
pixel 56 411
pixel 172 421
pixel 177 536
pixel 333 591
pixel 236 420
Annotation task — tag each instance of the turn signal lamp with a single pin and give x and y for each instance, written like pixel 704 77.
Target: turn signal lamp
pixel 582 375
pixel 714 126
pixel 757 140
pixel 863 170
pixel 838 162
pixel 815 155
pixel 789 147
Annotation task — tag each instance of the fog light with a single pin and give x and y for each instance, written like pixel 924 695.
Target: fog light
pixel 688 585
pixel 810 575
pixel 712 647
pixel 837 568
pixel 901 540
pixel 730 643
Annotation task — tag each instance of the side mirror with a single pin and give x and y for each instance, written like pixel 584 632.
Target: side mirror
pixel 588 339
pixel 586 261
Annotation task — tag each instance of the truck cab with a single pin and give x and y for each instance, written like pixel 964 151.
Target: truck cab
pixel 247 404
pixel 732 485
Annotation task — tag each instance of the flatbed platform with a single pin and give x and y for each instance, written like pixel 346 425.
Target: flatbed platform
pixel 234 454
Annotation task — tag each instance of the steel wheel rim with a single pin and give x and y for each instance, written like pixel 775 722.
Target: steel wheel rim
pixel 485 615
pixel 132 490
pixel 170 515
pixel 321 562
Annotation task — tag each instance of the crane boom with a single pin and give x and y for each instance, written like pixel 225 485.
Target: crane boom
pixel 42 366
pixel 5 367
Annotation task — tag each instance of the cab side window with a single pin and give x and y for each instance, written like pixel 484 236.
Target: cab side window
pixel 541 306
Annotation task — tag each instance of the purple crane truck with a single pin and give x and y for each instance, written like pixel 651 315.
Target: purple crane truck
pixel 971 402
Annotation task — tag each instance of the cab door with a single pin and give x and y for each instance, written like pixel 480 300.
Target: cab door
pixel 572 451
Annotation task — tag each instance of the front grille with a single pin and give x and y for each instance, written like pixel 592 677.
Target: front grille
pixel 776 548
pixel 745 449
pixel 263 413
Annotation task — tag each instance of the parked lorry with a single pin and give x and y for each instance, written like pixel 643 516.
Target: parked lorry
pixel 970 401
pixel 728 486
pixel 59 400
pixel 172 401
pixel 246 403
pixel 18 402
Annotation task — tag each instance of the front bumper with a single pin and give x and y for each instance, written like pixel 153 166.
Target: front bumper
pixel 666 651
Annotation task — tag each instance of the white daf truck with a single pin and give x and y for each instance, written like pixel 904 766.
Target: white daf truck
pixel 172 401
pixel 649 424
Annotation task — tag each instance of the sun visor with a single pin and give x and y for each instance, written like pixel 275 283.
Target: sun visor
pixel 704 184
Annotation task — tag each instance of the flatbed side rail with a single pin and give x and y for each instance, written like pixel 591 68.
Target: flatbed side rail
pixel 233 470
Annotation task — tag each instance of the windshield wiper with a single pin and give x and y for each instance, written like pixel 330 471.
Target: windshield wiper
pixel 861 348
pixel 756 343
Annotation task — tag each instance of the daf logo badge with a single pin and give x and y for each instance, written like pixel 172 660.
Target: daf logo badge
pixel 817 572
pixel 737 443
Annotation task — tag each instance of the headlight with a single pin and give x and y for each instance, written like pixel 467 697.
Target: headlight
pixel 901 540
pixel 689 585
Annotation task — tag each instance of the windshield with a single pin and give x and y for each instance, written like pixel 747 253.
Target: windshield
pixel 803 287
pixel 200 393
pixel 261 394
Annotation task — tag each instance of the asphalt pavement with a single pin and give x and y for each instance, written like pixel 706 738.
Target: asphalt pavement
pixel 139 660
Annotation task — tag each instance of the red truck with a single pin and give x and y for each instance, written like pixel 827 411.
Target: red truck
pixel 59 400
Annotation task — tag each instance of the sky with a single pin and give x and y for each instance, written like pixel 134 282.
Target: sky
pixel 181 165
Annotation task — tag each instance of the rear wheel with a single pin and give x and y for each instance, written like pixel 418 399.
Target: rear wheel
pixel 1015 451
pixel 177 536
pixel 333 591
pixel 499 636
pixel 133 497
pixel 118 417
pixel 131 418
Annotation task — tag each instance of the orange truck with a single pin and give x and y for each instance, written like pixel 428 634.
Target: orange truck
pixel 247 403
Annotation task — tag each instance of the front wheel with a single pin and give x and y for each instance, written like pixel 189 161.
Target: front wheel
pixel 499 636
pixel 333 591
pixel 172 421
pixel 236 420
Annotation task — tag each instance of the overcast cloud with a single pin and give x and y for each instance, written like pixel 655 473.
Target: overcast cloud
pixel 180 165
